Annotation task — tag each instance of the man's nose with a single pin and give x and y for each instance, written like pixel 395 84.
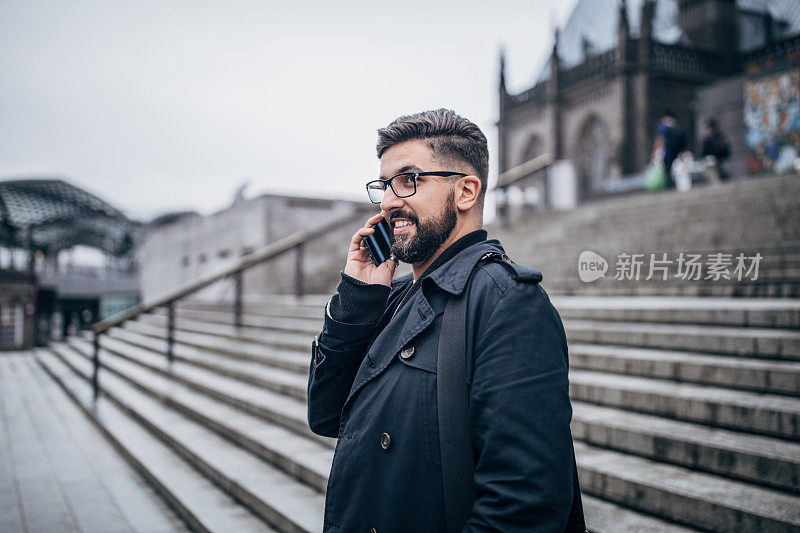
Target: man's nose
pixel 390 201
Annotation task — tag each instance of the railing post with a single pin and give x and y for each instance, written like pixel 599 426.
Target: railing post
pixel 298 271
pixel 96 363
pixel 170 331
pixel 237 302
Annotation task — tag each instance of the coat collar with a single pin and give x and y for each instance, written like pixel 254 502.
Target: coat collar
pixel 452 276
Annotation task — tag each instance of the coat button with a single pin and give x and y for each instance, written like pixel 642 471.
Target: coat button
pixel 386 441
pixel 407 352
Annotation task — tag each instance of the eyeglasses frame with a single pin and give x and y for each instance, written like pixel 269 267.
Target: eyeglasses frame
pixel 417 175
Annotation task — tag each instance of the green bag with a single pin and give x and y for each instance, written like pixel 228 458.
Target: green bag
pixel 655 177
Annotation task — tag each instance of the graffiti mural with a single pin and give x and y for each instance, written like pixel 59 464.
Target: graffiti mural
pixel 772 122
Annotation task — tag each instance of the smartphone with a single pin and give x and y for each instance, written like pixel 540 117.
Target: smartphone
pixel 379 244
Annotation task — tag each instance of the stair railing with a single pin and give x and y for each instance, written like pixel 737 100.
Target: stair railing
pixel 235 269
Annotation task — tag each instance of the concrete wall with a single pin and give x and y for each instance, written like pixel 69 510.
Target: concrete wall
pixel 725 102
pixel 191 247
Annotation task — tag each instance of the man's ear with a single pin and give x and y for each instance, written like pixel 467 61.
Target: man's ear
pixel 467 191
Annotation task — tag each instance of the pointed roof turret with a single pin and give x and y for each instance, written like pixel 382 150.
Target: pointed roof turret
pixel 503 69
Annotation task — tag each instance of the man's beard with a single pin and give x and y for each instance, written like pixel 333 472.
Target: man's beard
pixel 429 235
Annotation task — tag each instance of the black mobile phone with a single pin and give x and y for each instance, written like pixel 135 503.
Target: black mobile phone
pixel 379 244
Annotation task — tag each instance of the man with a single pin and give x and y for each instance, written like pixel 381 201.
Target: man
pixel 373 375
pixel 670 141
pixel 714 150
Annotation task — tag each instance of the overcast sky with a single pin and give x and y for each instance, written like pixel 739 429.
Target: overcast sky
pixel 166 105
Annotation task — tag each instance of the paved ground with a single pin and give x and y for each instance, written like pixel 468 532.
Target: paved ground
pixel 57 471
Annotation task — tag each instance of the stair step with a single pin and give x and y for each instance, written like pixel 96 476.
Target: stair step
pixel 226 346
pixel 273 495
pixel 759 375
pixel 606 517
pixel 758 312
pixel 284 359
pixel 204 507
pixel 250 322
pixel 264 307
pixel 675 493
pixel 278 409
pixel 279 381
pixel 557 249
pixel 292 361
pixel 573 287
pixel 282 300
pixel 753 458
pixel 201 335
pixel 750 342
pixel 777 416
pixel 299 327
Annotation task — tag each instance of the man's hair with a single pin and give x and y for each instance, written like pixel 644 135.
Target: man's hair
pixel 450 136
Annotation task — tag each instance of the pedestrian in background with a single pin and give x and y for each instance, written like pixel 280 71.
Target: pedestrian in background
pixel 670 141
pixel 714 149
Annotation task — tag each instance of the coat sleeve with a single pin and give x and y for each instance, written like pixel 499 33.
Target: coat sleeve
pixel 520 415
pixel 338 351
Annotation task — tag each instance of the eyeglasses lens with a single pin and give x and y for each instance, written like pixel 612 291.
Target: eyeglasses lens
pixel 404 185
pixel 376 191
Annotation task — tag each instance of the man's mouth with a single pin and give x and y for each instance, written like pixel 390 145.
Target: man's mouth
pixel 402 225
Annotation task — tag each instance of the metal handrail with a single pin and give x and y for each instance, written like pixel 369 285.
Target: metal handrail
pixel 237 266
pixel 515 174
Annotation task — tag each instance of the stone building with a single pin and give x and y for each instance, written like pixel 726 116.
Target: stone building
pixel 193 245
pixel 614 68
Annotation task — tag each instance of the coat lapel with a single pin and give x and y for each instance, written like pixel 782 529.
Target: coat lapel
pixel 411 320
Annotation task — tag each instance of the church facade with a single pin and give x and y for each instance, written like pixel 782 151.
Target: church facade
pixel 614 68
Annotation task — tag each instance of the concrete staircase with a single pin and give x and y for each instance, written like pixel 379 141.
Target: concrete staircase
pixel 750 216
pixel 686 411
pixel 686 400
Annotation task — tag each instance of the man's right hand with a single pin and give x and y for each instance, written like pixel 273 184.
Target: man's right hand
pixel 359 263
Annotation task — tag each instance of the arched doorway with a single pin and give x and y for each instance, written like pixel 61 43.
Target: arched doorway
pixel 594 149
pixel 535 147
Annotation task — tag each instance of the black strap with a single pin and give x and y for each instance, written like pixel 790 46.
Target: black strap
pixel 455 441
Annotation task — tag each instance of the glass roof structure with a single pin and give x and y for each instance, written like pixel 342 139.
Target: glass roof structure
pixel 52 215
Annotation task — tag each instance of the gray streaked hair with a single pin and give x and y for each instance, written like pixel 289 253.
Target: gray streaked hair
pixel 450 137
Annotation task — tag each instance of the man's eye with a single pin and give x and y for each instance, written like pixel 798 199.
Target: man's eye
pixel 408 180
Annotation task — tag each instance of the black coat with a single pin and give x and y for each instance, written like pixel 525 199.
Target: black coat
pixel 376 391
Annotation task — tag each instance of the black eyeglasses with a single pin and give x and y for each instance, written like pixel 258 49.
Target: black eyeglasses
pixel 403 185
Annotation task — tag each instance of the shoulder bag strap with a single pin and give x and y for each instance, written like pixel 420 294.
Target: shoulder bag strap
pixel 452 396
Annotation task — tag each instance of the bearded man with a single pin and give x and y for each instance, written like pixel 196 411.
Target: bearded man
pixel 373 376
